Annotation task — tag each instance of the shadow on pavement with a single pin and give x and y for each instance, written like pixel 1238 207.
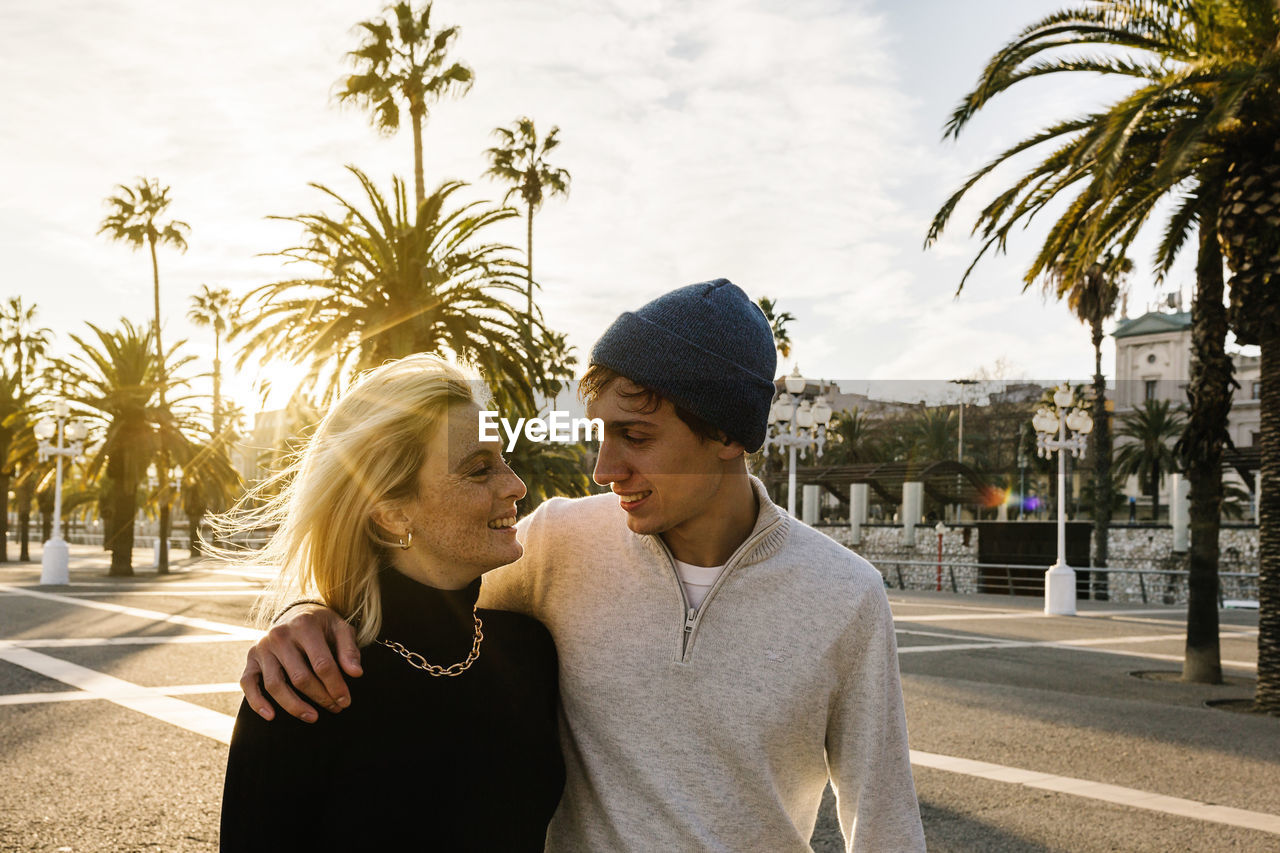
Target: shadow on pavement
pixel 947 830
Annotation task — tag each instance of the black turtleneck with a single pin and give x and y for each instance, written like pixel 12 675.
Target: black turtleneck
pixel 417 762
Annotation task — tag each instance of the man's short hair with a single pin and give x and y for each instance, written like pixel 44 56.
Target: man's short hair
pixel 598 378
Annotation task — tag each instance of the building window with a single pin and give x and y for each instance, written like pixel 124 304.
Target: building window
pixel 1151 359
pixel 1255 439
pixel 1257 390
pixel 1150 389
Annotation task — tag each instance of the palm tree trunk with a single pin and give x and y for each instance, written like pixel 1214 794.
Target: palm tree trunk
pixel 1155 493
pixel 44 500
pixel 217 387
pixel 419 184
pixel 528 271
pixel 4 516
pixel 193 529
pixel 118 536
pixel 163 551
pixel 1201 451
pixel 1101 450
pixel 25 497
pixel 155 279
pixel 1267 697
pixel 166 523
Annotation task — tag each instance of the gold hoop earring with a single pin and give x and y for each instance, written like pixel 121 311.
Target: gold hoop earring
pixel 406 540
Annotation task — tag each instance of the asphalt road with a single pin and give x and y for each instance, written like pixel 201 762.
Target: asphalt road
pixel 1029 733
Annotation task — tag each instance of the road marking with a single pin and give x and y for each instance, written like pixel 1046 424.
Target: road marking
pixel 158 703
pixel 124 587
pixel 80 695
pixel 931 605
pixel 1083 645
pixel 262 574
pixel 175 712
pixel 148 640
pixel 1027 614
pixel 1131 797
pixel 974 617
pixel 981 637
pixel 1171 610
pixel 980 642
pixel 180 593
pixel 153 615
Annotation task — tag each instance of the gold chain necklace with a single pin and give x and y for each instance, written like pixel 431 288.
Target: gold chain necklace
pixel 417 660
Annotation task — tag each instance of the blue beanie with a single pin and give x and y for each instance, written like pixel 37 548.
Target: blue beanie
pixel 707 348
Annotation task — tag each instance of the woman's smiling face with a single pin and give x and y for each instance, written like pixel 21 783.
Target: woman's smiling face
pixel 464 513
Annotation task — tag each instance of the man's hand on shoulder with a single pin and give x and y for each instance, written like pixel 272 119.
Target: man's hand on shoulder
pixel 298 652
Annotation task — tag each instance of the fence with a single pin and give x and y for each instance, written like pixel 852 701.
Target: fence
pixel 1161 586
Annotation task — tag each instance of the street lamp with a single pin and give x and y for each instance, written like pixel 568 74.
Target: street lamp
pixel 55 562
pixel 796 422
pixel 1060 580
pixel 960 437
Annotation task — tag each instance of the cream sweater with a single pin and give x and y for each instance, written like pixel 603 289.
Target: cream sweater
pixel 715 733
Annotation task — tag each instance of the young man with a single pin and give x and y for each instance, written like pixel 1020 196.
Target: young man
pixel 719 660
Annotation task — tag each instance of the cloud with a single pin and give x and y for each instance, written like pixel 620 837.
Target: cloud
pixel 774 144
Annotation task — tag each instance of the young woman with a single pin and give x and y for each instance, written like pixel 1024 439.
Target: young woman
pixel 390 516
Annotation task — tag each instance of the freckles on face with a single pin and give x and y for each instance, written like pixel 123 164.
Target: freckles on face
pixel 466 500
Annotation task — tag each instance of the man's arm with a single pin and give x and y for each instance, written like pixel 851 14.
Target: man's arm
pixel 299 651
pixel 867 753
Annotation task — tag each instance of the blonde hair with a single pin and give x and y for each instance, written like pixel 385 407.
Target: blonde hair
pixel 368 448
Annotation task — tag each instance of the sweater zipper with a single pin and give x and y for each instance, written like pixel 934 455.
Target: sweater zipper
pixel 694 615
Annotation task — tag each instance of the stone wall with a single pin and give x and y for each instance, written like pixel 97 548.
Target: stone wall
pixel 1146 548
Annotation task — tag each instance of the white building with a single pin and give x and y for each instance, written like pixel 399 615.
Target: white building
pixel 1153 362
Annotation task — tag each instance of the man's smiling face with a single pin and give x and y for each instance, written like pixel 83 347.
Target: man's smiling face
pixel 664 474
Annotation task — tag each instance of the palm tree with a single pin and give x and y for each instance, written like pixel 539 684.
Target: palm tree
pixel 1248 231
pixel 521 161
pixel 778 322
pixel 22 345
pixel 204 473
pixel 29 473
pixel 134 221
pixel 209 480
pixel 404 60
pixel 212 483
pixel 211 308
pixel 933 434
pixel 21 340
pixel 1092 296
pixel 115 379
pixel 13 410
pixel 384 283
pixel 1151 429
pixel 853 439
pixel 1203 115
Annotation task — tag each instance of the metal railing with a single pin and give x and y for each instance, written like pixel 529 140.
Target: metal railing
pixel 1092 582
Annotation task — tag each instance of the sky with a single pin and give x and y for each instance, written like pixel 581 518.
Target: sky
pixel 794 148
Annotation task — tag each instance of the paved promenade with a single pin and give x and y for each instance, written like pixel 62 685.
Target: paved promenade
pixel 1029 733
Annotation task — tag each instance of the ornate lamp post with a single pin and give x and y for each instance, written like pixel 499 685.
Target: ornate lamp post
pixel 69 442
pixel 1060 579
pixel 795 422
